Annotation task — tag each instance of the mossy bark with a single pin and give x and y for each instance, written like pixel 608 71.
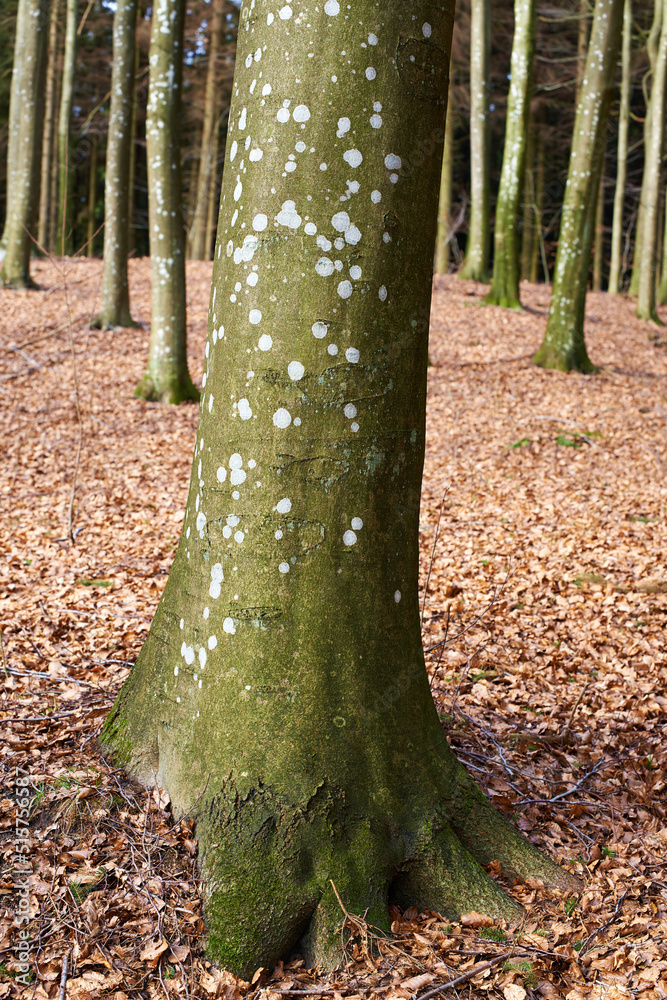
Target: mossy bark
pixel 506 264
pixel 621 153
pixel 64 233
pixel 650 196
pixel 166 378
pixel 475 266
pixel 281 694
pixel 25 144
pixel 564 347
pixel 118 187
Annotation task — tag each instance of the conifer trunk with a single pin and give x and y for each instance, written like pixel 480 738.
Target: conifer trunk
pixel 650 196
pixel 442 239
pixel 615 276
pixel 563 346
pixel 266 699
pixel 45 203
pixel 475 266
pixel 506 265
pixel 64 118
pixel 166 378
pixel 199 239
pixel 25 145
pixel 118 184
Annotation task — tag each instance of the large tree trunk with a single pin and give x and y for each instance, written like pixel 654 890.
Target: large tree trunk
pixel 281 694
pixel 25 145
pixel 45 204
pixel 199 240
pixel 476 261
pixel 166 378
pixel 650 196
pixel 443 232
pixel 615 276
pixel 563 346
pixel 118 186
pixel 14 123
pixel 64 118
pixel 506 266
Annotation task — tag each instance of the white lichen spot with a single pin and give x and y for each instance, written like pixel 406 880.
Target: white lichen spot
pixel 353 157
pixel 245 411
pixel 382 293
pixel 212 641
pixel 310 229
pixel 288 215
pixel 206 612
pixel 284 567
pixel 237 477
pixel 370 73
pixel 345 289
pixel 260 222
pixel 352 235
pixel 350 411
pixel 202 657
pixel 189 655
pixel 284 506
pixel 283 115
pixel 357 523
pixel 344 126
pixel 397 596
pixel 376 197
pixel 376 121
pixel 217 576
pixel 392 161
pixel 301 113
pixel 238 537
pixel 354 427
pixel 372 39
pixel 332 349
pixel 324 267
pixel 426 29
pixel 255 316
pixel 285 12
pixel 201 521
pixel 340 222
pixel 320 329
pixel 349 538
pixel 355 272
pixel 352 355
pixel 295 370
pixel 331 7
pixel 228 626
pixel 221 474
pixel 265 343
pixel 282 418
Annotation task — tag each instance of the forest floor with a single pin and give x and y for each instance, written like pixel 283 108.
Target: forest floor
pixel 544 557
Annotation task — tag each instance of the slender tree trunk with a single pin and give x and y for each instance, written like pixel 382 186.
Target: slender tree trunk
pixel 64 151
pixel 132 172
pixel 118 184
pixel 528 234
pixel 199 247
pixel 213 195
pixel 650 196
pixel 476 262
pixel 166 378
pixel 23 201
pixel 14 123
pixel 582 46
pixel 652 47
pixel 442 251
pixel 563 346
pixel 538 244
pixel 506 266
pixel 92 197
pixel 266 700
pixel 598 251
pixel 662 290
pixel 615 275
pixel 45 204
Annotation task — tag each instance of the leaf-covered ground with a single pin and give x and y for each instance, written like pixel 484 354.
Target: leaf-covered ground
pixel 545 603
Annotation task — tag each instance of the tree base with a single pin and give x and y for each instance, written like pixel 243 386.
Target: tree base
pixel 568 361
pixel 172 393
pixel 504 300
pixel 123 322
pixel 649 315
pixel 20 283
pixel 474 273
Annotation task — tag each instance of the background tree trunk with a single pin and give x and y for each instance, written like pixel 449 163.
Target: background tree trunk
pixel 528 223
pixel 476 261
pixel 166 378
pixel 23 201
pixel 442 251
pixel 563 346
pixel 14 123
pixel 118 184
pixel 506 267
pixel 199 240
pixel 266 699
pixel 213 206
pixel 598 251
pixel 92 197
pixel 650 197
pixel 46 205
pixel 662 290
pixel 615 275
pixel 64 152
pixel 538 244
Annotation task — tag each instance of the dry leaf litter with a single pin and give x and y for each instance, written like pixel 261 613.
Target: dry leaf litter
pixel 544 595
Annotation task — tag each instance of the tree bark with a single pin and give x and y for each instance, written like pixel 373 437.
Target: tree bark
pixel 662 289
pixel 64 118
pixel 14 123
pixel 92 197
pixel 538 243
pixel 45 203
pixel 598 250
pixel 528 223
pixel 615 275
pixel 199 241
pixel 652 47
pixel 475 266
pixel 28 100
pixel 563 346
pixel 166 378
pixel 650 196
pixel 213 195
pixel 443 235
pixel 506 265
pixel 118 184
pixel 266 699
pixel 582 46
